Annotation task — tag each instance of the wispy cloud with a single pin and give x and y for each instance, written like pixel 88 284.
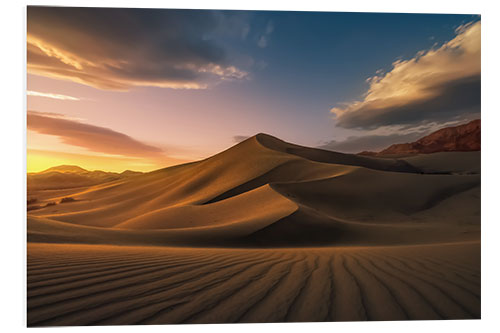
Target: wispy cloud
pixel 263 40
pixel 53 96
pixel 119 48
pixel 93 138
pixel 434 86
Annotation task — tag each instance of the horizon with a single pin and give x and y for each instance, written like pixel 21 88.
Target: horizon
pixel 228 148
pixel 200 81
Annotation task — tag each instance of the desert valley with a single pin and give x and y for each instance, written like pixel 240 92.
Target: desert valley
pixel 265 231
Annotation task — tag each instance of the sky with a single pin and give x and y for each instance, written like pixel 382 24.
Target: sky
pixel 142 89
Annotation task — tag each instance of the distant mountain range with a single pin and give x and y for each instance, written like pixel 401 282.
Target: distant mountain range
pixel 465 137
pixel 69 176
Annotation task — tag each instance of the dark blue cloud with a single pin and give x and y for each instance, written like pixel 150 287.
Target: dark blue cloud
pixel 117 48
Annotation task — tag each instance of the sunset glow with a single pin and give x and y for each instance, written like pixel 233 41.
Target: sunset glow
pixel 39 160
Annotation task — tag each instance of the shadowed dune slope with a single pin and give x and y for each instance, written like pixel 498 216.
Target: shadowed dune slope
pixel 267 191
pixel 447 162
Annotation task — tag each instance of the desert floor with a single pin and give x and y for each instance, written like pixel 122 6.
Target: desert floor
pixel 112 285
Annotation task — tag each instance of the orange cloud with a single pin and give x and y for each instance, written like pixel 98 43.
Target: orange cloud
pixel 119 48
pixel 435 85
pixel 91 137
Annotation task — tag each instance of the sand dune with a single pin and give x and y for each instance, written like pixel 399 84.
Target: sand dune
pixel 311 195
pixel 242 235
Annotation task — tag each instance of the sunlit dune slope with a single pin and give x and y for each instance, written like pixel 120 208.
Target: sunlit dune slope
pixel 265 191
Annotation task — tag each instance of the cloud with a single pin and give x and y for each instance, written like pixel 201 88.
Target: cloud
pixel 53 96
pixel 356 144
pixel 56 115
pixel 245 31
pixel 239 138
pixel 263 40
pixel 94 138
pixel 436 85
pixel 119 48
pixel 385 136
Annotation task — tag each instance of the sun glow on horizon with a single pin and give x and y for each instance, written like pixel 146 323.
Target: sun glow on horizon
pixel 39 160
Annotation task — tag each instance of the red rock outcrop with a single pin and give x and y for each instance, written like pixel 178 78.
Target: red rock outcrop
pixel 465 137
